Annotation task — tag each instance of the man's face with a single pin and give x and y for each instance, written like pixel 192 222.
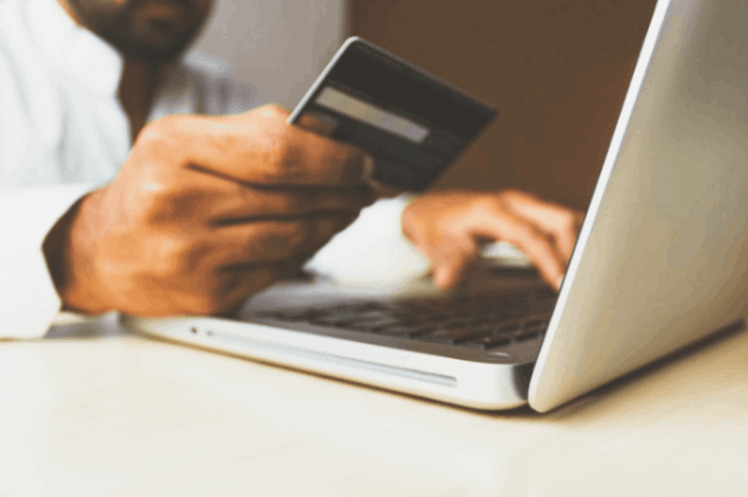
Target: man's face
pixel 151 30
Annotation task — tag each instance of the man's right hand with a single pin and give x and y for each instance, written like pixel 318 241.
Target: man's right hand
pixel 205 212
pixel 449 227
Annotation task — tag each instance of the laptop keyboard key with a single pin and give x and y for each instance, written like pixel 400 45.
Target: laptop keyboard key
pixel 475 321
pixel 508 328
pixel 375 326
pixel 525 336
pixel 404 331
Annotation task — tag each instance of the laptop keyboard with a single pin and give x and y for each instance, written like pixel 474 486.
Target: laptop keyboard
pixel 476 321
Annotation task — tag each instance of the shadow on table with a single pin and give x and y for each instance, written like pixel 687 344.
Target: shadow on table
pixel 105 326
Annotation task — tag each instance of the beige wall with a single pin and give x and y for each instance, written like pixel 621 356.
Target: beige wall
pixel 279 46
pixel 556 70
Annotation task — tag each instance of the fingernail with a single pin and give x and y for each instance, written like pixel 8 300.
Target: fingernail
pixel 369 165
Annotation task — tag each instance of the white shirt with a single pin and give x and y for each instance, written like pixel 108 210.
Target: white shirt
pixel 64 133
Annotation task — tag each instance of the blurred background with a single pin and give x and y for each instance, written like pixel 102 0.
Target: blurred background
pixel 277 46
pixel 557 71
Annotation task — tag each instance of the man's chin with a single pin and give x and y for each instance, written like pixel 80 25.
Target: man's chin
pixel 151 47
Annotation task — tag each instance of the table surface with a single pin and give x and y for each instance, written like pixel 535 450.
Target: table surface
pixel 101 411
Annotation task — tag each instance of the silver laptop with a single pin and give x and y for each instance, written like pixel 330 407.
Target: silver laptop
pixel 661 260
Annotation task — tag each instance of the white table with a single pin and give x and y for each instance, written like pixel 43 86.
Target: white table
pixel 105 412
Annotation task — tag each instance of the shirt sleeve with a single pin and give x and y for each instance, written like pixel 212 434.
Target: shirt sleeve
pixel 28 300
pixel 373 250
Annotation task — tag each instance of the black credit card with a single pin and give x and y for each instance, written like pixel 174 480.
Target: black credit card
pixel 412 123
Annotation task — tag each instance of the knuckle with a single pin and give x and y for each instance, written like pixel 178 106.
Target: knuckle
pixel 176 249
pixel 299 234
pixel 523 234
pixel 151 134
pixel 161 145
pixel 282 160
pixel 510 195
pixel 488 204
pixel 158 133
pixel 253 244
pixel 274 111
pixel 298 202
pixel 184 254
pixel 165 197
pixel 569 222
pixel 158 201
pixel 160 266
pixel 278 241
pixel 279 153
pixel 151 208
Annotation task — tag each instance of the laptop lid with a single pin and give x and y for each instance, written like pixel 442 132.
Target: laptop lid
pixel 662 257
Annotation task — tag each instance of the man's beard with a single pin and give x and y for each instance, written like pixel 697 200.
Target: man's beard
pixel 150 39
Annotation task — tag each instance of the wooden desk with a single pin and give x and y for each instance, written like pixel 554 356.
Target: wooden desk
pixel 89 414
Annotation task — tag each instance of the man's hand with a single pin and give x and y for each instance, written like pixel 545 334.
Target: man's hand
pixel 205 212
pixel 450 226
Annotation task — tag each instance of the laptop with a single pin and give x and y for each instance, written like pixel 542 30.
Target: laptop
pixel 661 261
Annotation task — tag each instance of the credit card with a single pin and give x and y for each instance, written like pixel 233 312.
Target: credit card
pixel 412 123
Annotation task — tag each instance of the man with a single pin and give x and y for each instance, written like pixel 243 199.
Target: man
pixel 108 204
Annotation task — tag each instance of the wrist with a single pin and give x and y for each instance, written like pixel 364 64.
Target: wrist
pixel 68 252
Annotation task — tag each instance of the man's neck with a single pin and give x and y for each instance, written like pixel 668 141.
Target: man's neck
pixel 137 89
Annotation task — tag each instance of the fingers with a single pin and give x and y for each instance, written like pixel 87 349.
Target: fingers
pixel 221 293
pixel 561 223
pixel 450 264
pixel 521 232
pixel 318 123
pixel 278 240
pixel 447 226
pixel 224 201
pixel 251 205
pixel 238 283
pixel 258 147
